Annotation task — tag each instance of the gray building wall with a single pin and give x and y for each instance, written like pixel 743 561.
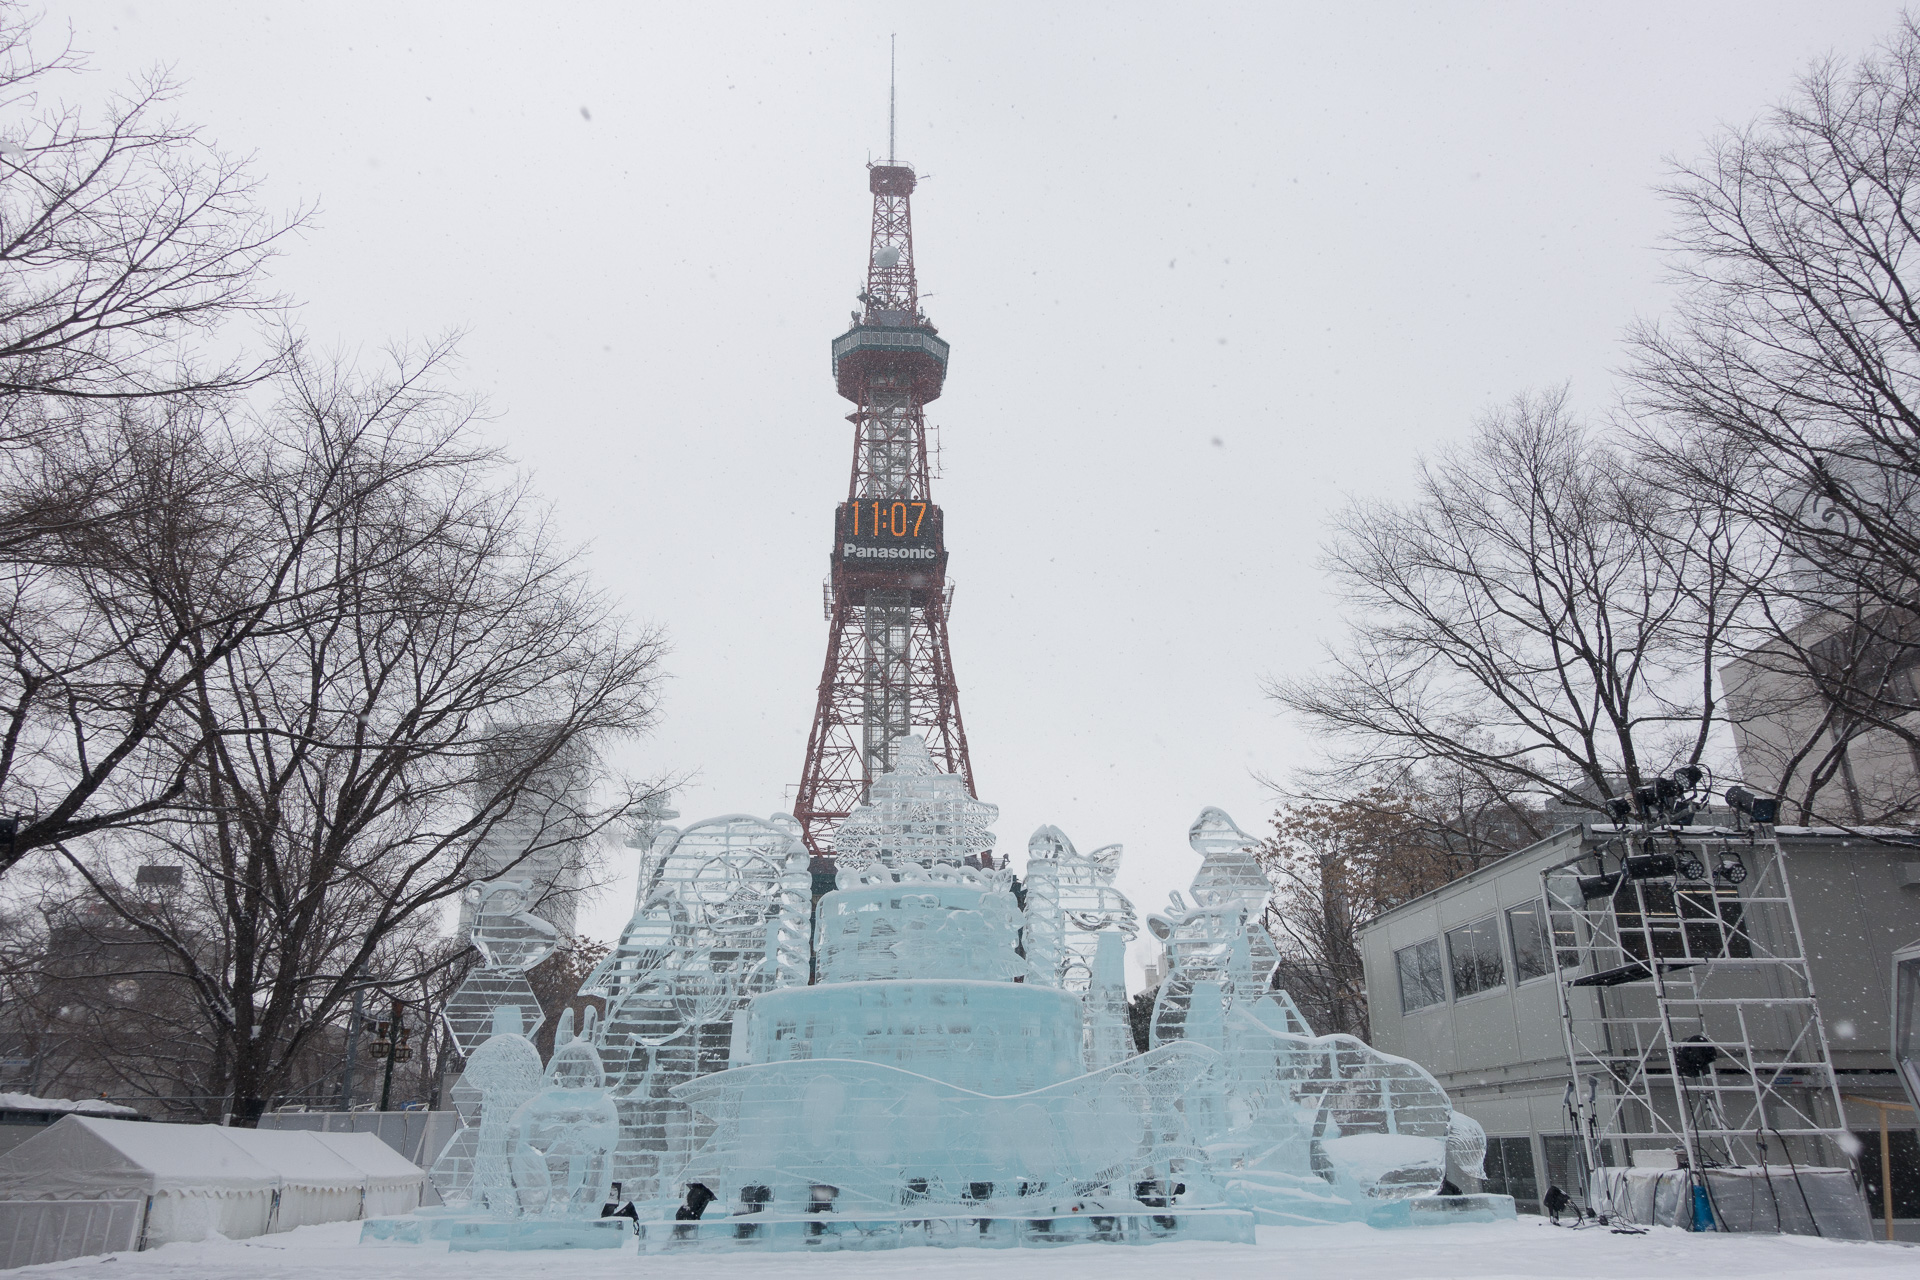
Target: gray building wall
pixel 1501 1053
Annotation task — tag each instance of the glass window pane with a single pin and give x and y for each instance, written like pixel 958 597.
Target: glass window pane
pixel 1510 1172
pixel 1420 981
pixel 1529 934
pixel 1567 1166
pixel 1474 957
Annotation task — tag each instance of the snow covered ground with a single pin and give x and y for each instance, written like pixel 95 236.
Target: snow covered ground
pixel 1527 1248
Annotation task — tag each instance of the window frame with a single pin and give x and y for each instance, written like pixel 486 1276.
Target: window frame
pixel 1491 924
pixel 1439 983
pixel 1498 1147
pixel 1550 954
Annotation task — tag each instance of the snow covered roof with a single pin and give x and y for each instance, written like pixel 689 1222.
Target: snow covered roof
pixel 299 1158
pixel 381 1164
pixel 83 1106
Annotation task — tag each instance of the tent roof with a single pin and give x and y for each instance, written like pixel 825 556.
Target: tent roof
pixel 374 1157
pixel 299 1158
pixel 87 1154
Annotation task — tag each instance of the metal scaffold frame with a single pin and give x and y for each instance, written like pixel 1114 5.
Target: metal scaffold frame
pixel 1687 1001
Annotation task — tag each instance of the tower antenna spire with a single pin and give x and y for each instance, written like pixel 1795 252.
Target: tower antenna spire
pixel 892 41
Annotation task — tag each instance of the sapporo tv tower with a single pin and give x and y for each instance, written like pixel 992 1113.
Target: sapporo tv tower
pixel 889 669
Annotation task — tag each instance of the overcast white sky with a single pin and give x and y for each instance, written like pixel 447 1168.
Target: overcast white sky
pixel 1207 270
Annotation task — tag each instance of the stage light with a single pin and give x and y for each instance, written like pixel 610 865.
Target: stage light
pixel 1731 869
pixel 1600 886
pixel 1694 1057
pixel 1651 866
pixel 1764 809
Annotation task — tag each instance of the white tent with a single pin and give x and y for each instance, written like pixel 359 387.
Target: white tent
pixel 394 1183
pixel 313 1183
pixel 196 1180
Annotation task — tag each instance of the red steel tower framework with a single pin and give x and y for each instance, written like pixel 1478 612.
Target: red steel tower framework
pixel 889 669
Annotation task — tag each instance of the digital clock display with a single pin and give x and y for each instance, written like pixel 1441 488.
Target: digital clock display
pixel 881 531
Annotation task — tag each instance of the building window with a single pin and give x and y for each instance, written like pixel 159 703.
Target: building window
pixel 1527 927
pixel 1904 1146
pixel 1473 957
pixel 1421 983
pixel 1567 1165
pixel 1510 1172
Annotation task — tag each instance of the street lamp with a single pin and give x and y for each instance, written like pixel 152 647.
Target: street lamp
pixel 390 1042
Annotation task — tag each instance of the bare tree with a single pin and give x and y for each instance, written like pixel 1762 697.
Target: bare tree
pixel 208 532
pixel 1537 623
pixel 100 1008
pixel 126 240
pixel 122 234
pixel 426 656
pixel 1337 864
pixel 1785 390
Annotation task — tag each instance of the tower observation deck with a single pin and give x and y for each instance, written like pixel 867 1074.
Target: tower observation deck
pixel 889 669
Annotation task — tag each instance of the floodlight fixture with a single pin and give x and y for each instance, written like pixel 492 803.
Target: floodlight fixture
pixel 1651 866
pixel 1691 868
pixel 1762 809
pixel 1693 1057
pixel 1593 888
pixel 1731 869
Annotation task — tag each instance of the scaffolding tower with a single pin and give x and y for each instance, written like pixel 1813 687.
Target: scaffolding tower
pixel 1688 1003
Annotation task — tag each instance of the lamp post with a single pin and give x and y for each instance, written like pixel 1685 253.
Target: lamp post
pixel 391 1045
pixel 354 1024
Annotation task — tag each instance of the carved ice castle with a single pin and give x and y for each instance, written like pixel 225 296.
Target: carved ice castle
pixel 934 1052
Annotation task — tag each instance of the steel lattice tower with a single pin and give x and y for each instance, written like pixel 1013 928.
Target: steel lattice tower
pixel 889 670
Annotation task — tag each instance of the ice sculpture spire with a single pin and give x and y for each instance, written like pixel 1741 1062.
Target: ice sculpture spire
pixel 918 815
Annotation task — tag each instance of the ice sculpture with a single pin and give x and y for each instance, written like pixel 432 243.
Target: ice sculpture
pixel 511 940
pixel 917 814
pixel 565 1134
pixel 476 1169
pixel 721 915
pixel 916 1059
pixel 921 1089
pixel 1467 1148
pixel 1091 907
pixel 1308 1128
pixel 1074 916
